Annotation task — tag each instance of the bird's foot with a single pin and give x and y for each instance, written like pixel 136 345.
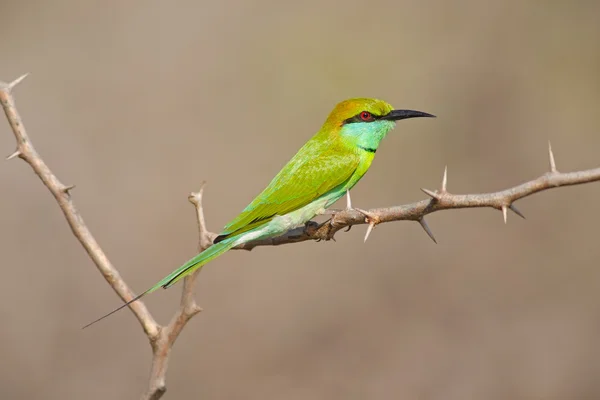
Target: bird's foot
pixel 329 232
pixel 310 227
pixel 334 212
pixel 350 208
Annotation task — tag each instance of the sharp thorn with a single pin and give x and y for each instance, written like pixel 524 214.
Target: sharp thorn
pixel 348 200
pixel 348 228
pixel 363 212
pixel 369 230
pixel 516 211
pixel 17 81
pixel 67 189
pixel 431 194
pixel 13 155
pixel 372 219
pixel 427 230
pixel 445 180
pixel 369 217
pixel 504 213
pixel 551 156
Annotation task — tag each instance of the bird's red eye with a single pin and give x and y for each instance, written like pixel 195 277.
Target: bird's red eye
pixel 366 116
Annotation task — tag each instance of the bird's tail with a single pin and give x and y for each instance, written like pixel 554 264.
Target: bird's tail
pixel 186 269
pixel 192 265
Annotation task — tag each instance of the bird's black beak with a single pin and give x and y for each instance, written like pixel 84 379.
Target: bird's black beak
pixel 396 115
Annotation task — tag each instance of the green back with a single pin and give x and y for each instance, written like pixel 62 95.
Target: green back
pixel 321 165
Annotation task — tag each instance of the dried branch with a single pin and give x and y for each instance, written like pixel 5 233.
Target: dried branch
pixel 61 193
pixel 440 200
pixel 162 338
pixel 161 347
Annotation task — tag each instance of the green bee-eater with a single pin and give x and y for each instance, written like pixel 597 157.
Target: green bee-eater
pixel 322 171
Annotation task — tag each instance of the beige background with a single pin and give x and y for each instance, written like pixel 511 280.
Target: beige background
pixel 138 102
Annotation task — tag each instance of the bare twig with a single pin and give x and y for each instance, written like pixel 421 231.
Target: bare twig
pixel 26 151
pixel 161 347
pixel 162 338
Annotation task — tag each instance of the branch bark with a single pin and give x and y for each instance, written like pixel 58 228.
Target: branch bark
pixel 162 338
pixel 62 194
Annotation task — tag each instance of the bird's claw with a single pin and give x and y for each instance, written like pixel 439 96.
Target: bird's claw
pixel 314 229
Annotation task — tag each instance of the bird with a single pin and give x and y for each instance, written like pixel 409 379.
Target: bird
pixel 326 168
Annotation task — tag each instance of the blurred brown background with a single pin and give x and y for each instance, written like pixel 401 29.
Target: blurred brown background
pixel 138 102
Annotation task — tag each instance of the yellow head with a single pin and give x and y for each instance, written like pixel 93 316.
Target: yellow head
pixel 365 122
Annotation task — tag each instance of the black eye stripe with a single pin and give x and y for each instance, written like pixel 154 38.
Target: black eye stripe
pixel 357 118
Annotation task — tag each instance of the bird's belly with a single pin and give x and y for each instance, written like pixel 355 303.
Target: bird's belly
pixel 299 217
pixel 283 223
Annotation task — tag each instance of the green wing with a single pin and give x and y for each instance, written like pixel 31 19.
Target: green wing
pixel 316 169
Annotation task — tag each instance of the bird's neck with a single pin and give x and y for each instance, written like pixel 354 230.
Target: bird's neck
pixel 366 136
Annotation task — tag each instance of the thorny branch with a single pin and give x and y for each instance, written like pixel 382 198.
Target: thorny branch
pixel 62 194
pixel 439 200
pixel 162 338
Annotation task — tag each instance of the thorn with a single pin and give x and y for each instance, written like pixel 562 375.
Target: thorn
pixel 67 189
pixel 427 230
pixel 369 230
pixel 445 180
pixel 348 228
pixel 17 153
pixel 371 219
pixel 431 194
pixel 348 200
pixel 504 213
pixel 516 211
pixel 551 156
pixel 17 81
